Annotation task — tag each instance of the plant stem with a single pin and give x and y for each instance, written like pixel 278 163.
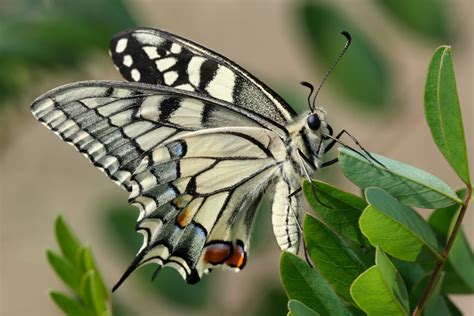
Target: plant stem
pixel 440 264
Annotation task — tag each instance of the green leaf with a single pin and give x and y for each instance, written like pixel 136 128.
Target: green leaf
pixel 436 305
pixel 65 270
pixel 306 285
pixel 299 309
pixel 66 239
pixel 461 263
pixel 443 112
pixel 89 264
pixel 410 185
pixel 380 289
pixel 68 305
pixel 453 309
pixel 337 260
pixel 395 227
pixel 458 279
pixel 85 293
pixel 361 60
pixel 429 18
pixel 64 32
pixel 96 292
pixel 338 209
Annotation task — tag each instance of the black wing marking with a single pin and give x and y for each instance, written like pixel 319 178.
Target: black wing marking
pixel 157 57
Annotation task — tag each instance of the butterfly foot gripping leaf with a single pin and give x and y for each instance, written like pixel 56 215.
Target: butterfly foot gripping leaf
pixel 195 139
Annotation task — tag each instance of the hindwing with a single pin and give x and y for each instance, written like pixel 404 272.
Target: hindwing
pixel 197 195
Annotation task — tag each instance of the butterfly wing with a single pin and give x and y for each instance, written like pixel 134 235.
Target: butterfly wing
pixel 196 183
pixel 157 57
pixel 197 195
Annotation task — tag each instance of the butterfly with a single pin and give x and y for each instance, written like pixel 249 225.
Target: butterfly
pixel 196 140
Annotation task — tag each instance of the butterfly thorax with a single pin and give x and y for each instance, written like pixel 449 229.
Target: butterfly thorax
pixel 305 146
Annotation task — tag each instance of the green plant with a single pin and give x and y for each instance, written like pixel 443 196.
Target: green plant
pixel 374 254
pixel 76 267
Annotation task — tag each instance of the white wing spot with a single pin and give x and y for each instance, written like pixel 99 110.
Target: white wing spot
pixel 194 70
pixel 151 51
pixel 127 60
pixel 165 63
pixel 170 77
pixel 148 39
pixel 222 85
pixel 121 45
pixel 135 75
pixel 186 87
pixel 175 48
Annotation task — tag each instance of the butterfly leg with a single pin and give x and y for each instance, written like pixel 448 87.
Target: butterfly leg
pixel 336 139
pixel 300 229
pixel 304 158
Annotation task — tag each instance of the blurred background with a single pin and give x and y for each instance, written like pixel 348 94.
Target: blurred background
pixel 376 93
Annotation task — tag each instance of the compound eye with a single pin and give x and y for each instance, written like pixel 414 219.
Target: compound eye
pixel 314 122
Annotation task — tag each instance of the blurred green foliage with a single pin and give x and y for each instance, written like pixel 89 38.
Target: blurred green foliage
pixel 76 267
pixel 363 74
pixel 430 19
pixel 51 34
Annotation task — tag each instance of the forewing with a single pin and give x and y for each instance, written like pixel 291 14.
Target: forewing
pixel 115 123
pixel 197 196
pixel 157 57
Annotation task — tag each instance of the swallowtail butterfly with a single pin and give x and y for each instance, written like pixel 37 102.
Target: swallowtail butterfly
pixel 195 139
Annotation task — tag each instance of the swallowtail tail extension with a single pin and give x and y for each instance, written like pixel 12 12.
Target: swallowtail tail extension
pixel 195 139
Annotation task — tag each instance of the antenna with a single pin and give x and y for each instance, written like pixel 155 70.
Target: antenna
pixel 311 88
pixel 346 46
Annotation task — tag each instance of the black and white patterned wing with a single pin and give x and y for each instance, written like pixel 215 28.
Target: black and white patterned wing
pixel 157 57
pixel 197 195
pixel 114 123
pixel 196 183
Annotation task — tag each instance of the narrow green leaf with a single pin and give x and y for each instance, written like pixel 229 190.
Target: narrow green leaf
pixel 362 60
pixel 85 292
pixel 90 265
pixel 299 309
pixel 65 270
pixel 68 242
pixel 99 298
pixel 380 289
pixel 443 112
pixel 395 227
pixel 306 285
pixel 338 209
pixel 410 185
pixel 68 305
pixel 459 278
pixel 337 261
pixel 429 18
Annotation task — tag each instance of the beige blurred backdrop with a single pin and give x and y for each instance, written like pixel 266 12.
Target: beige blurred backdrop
pixel 40 176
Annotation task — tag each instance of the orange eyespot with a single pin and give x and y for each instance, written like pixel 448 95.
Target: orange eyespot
pixel 217 253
